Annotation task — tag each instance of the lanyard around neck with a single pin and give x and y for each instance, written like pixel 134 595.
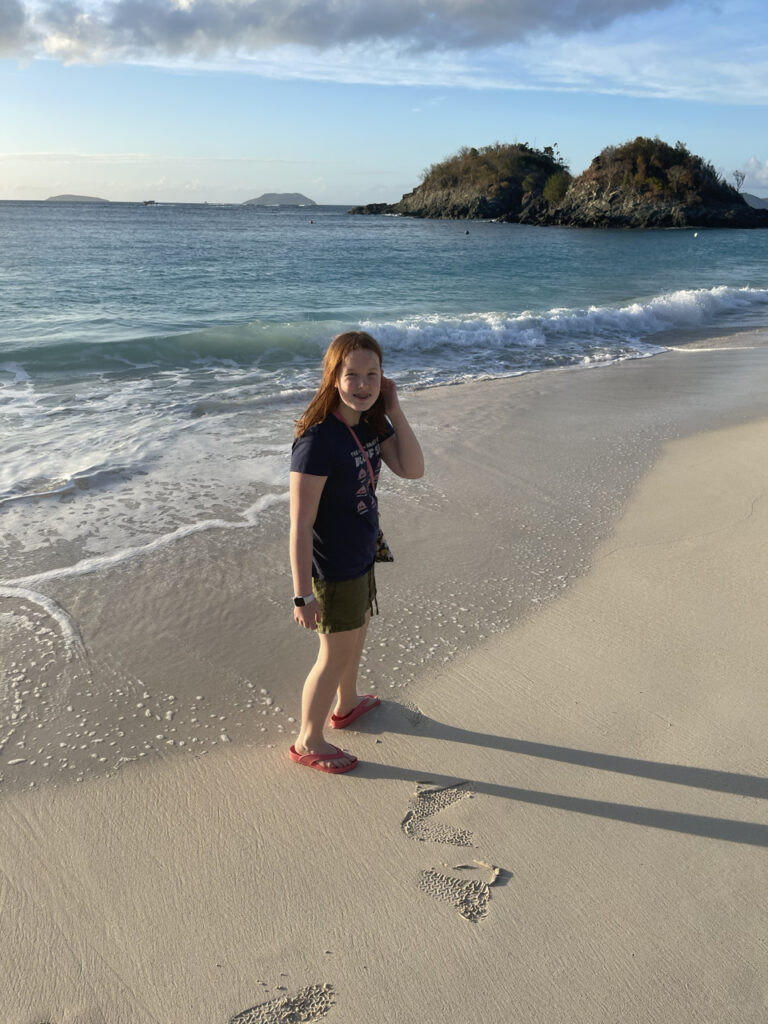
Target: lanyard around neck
pixel 339 417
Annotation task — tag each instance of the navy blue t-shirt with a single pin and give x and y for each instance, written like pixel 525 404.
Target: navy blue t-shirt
pixel 347 523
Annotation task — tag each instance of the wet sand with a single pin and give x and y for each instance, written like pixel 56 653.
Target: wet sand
pixel 560 809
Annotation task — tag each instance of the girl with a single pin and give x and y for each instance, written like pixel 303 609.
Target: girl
pixel 353 422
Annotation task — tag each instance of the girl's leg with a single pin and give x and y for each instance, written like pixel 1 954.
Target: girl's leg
pixel 346 692
pixel 337 651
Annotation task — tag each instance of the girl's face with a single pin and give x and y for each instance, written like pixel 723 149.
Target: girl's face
pixel 358 383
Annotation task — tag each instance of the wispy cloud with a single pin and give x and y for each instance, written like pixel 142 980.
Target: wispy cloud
pixel 663 65
pixel 104 159
pixel 429 104
pixel 76 158
pixel 650 48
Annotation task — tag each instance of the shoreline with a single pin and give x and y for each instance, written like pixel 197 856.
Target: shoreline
pixel 690 340
pixel 703 339
pixel 152 631
pixel 571 632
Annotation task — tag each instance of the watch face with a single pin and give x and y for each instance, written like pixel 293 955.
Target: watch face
pixel 299 602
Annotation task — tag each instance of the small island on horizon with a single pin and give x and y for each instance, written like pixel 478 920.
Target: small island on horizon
pixel 75 199
pixel 280 199
pixel 268 199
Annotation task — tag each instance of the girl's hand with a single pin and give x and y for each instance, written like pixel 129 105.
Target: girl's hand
pixel 308 615
pixel 389 394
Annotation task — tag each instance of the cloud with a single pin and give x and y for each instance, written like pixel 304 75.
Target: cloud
pixel 13 27
pixel 96 29
pixel 667 49
pixel 698 68
pixel 757 173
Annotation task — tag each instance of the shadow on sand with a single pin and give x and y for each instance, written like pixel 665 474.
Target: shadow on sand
pixel 396 718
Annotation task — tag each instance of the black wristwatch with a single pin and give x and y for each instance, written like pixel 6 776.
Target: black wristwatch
pixel 301 601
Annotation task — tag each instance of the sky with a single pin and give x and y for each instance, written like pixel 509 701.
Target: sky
pixel 349 101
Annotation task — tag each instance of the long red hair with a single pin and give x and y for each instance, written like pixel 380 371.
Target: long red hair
pixel 326 399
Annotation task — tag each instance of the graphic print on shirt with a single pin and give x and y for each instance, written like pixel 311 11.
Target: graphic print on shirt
pixel 365 492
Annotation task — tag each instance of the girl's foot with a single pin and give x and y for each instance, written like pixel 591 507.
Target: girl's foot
pixel 325 757
pixel 344 716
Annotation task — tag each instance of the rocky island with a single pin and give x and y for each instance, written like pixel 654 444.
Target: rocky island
pixel 280 199
pixel 494 182
pixel 645 183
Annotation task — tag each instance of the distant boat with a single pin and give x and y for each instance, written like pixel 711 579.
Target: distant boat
pixel 149 202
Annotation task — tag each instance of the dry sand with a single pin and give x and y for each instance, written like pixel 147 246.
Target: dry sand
pixel 560 811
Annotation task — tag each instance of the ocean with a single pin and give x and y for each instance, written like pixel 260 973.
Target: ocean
pixel 153 358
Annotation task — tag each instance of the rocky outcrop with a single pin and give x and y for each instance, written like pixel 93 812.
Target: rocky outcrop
pixel 468 202
pixel 588 204
pixel 645 183
pixel 486 184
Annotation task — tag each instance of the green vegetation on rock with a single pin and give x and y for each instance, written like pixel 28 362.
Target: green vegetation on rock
pixel 653 170
pixel 491 182
pixel 495 168
pixel 646 183
pixel 557 186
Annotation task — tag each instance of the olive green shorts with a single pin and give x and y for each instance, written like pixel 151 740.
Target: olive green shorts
pixel 344 604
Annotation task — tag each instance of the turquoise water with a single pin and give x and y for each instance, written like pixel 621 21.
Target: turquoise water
pixel 153 358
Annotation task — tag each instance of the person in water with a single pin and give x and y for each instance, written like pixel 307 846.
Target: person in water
pixel 353 423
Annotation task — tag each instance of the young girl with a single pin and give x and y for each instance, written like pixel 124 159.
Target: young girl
pixel 353 422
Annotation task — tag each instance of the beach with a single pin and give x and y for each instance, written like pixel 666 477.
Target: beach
pixel 559 813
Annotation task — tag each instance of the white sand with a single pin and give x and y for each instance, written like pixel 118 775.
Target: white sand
pixel 597 733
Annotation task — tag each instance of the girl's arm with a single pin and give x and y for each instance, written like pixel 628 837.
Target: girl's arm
pixel 305 491
pixel 401 452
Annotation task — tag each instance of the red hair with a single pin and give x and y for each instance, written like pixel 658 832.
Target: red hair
pixel 326 399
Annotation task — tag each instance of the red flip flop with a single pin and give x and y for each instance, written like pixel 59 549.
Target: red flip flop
pixel 366 703
pixel 313 760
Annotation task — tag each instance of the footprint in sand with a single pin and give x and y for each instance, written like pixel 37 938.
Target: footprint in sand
pixel 469 891
pixel 310 1004
pixel 429 801
pixel 467 887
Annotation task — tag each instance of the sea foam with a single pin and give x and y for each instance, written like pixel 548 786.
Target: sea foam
pixel 150 396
